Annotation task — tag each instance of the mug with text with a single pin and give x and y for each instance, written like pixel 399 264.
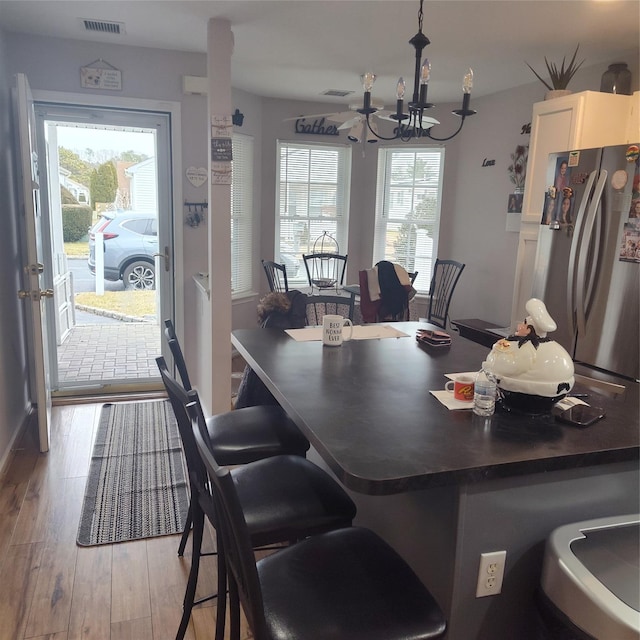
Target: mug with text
pixel 461 387
pixel 332 330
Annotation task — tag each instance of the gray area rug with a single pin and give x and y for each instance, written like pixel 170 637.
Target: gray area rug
pixel 137 486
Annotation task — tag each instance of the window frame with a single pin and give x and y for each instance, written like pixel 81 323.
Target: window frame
pixel 389 191
pixel 314 222
pixel 242 213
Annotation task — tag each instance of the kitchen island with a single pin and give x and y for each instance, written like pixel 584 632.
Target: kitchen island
pixel 445 486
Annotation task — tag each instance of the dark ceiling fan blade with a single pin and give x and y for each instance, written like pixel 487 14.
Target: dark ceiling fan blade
pixel 427 121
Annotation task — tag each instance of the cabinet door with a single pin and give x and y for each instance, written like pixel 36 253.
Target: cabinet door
pixel 552 129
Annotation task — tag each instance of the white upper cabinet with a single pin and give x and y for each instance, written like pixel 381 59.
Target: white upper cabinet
pixel 578 121
pixel 583 120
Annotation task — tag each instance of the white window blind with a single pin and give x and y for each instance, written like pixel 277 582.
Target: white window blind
pixel 242 216
pixel 312 196
pixel 409 189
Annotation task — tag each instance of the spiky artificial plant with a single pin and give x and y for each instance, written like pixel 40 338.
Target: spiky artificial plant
pixel 559 77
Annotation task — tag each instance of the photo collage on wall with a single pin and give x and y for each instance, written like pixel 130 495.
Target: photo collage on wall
pixel 630 245
pixel 559 199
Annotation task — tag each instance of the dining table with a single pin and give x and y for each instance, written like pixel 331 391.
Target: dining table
pixel 444 486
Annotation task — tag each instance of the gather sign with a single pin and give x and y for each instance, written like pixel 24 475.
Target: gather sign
pixel 317 127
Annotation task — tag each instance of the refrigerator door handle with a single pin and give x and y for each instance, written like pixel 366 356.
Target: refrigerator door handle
pixel 576 242
pixel 584 280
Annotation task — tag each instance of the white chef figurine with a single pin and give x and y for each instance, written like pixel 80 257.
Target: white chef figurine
pixel 529 362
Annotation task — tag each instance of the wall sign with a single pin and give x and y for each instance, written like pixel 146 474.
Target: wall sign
pixel 99 74
pixel 197 176
pixel 317 128
pixel 221 149
pixel 488 163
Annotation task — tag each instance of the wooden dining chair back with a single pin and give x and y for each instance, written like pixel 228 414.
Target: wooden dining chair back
pixel 321 305
pixel 176 352
pixel 276 276
pixel 291 499
pixel 325 270
pixel 444 280
pixel 179 397
pixel 347 584
pixel 224 510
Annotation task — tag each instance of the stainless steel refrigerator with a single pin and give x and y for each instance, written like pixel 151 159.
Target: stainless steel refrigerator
pixel 587 268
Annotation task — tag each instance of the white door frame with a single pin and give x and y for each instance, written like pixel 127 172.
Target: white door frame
pixel 34 258
pixel 173 109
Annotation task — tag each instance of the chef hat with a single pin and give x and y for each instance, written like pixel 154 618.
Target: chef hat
pixel 539 317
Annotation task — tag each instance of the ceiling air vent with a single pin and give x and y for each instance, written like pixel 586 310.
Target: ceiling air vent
pixel 103 26
pixel 337 93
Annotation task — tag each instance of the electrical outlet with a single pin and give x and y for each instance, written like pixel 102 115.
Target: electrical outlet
pixel 490 573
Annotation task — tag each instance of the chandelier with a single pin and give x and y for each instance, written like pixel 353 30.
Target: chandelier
pixel 415 123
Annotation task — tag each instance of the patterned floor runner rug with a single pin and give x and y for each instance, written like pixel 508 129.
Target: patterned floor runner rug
pixel 137 485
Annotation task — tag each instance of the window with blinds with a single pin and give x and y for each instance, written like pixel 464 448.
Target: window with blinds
pixel 312 196
pixel 409 189
pixel 242 215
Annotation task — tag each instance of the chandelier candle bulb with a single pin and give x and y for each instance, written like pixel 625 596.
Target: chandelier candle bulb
pixel 467 81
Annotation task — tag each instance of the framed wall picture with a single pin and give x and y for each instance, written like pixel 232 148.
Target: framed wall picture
pixel 99 74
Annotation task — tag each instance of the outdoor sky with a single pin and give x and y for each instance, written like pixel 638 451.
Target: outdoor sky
pixel 78 139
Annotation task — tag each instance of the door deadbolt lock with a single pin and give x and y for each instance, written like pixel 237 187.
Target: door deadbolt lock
pixel 35 295
pixel 35 269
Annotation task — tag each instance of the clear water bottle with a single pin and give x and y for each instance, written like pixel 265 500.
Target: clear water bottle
pixel 484 395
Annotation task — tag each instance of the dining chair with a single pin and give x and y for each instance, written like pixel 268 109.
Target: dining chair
pixel 276 276
pixel 446 274
pixel 392 303
pixel 325 270
pixel 176 352
pixel 241 435
pixel 412 276
pixel 284 498
pixel 319 306
pixel 275 311
pixel 347 584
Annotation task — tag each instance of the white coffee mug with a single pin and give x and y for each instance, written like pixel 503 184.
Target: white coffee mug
pixel 332 330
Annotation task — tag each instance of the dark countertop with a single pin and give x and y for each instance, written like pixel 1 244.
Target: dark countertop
pixel 479 331
pixel 367 410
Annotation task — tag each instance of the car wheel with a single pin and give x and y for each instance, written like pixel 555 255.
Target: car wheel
pixel 139 275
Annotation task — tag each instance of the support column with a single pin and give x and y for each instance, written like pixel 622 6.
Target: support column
pixel 219 51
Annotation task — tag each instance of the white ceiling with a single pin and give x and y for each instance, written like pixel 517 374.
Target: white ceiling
pixel 298 49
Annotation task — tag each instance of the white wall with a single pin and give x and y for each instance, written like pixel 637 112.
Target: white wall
pixel 14 370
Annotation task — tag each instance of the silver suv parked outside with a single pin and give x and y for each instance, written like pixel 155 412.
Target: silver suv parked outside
pixel 130 240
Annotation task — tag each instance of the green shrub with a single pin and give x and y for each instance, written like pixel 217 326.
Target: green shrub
pixel 76 220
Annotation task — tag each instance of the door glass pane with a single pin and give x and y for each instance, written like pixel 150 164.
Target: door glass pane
pixel 106 206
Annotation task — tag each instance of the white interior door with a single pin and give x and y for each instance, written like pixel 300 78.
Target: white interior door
pixel 34 291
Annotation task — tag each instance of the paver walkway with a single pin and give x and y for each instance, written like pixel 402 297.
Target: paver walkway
pixel 101 352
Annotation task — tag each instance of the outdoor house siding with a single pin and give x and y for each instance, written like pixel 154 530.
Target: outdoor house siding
pixel 143 186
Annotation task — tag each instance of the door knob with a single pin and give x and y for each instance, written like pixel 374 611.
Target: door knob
pixel 35 295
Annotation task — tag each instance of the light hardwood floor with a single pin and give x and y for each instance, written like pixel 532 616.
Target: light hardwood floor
pixel 52 589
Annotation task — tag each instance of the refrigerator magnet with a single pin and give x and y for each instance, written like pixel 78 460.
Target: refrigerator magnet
pixel 619 179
